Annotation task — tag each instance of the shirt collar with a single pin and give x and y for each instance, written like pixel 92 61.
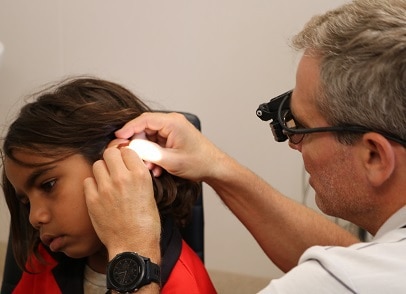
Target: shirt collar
pixel 395 221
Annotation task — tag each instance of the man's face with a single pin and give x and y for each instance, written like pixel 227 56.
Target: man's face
pixel 335 174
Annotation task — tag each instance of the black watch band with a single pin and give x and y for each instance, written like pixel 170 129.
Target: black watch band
pixel 129 271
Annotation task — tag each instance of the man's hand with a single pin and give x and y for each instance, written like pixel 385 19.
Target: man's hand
pixel 177 145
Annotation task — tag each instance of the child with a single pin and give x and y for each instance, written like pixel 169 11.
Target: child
pixel 49 151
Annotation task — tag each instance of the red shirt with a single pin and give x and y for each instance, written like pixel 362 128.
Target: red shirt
pixel 188 276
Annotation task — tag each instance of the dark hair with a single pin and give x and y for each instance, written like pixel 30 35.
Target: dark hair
pixel 79 116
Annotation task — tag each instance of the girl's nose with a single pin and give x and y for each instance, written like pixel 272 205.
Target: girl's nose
pixel 39 214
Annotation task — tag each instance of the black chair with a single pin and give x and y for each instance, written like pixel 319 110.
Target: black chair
pixel 12 273
pixel 192 233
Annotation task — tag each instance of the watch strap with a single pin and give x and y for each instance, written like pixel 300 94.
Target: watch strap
pixel 152 272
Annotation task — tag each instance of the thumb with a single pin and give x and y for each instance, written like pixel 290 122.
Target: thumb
pixel 165 158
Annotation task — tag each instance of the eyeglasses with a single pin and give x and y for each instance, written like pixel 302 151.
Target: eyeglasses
pixel 284 126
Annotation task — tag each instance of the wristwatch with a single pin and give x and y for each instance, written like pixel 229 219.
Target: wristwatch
pixel 129 271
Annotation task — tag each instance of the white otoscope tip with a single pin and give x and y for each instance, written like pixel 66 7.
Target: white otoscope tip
pixel 146 150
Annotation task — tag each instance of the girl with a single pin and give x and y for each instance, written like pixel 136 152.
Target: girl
pixel 48 152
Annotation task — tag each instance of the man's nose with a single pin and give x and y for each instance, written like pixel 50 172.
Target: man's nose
pixel 297 147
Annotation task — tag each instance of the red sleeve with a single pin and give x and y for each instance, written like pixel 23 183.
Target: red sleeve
pixel 189 275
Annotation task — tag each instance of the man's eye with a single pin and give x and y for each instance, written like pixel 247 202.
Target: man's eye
pixel 291 122
pixel 48 185
pixel 298 125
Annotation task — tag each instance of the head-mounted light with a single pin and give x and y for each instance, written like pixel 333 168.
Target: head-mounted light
pixel 269 111
pixel 284 126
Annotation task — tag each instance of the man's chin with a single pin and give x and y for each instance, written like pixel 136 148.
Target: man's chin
pixel 319 203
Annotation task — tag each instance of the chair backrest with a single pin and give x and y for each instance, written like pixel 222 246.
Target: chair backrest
pixel 11 272
pixel 193 233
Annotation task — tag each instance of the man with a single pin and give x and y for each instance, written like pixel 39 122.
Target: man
pixel 346 115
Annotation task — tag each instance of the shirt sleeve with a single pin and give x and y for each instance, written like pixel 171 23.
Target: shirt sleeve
pixel 308 277
pixel 320 270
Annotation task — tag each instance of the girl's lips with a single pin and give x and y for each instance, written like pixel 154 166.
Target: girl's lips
pixel 55 243
pixel 46 239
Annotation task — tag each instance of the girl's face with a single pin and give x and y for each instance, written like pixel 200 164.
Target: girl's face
pixel 57 207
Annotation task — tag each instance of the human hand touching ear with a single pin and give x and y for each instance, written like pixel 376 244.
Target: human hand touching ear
pixel 121 204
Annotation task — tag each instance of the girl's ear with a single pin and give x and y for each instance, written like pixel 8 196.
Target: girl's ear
pixel 378 157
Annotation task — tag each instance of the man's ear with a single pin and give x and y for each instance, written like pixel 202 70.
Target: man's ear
pixel 378 158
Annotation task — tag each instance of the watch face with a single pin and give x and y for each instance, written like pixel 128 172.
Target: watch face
pixel 126 272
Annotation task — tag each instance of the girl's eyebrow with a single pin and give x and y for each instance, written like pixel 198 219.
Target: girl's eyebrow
pixel 30 182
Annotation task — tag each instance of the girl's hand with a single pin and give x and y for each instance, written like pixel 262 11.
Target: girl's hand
pixel 121 204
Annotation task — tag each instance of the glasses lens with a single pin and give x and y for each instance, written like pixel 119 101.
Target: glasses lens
pixel 295 138
pixel 290 123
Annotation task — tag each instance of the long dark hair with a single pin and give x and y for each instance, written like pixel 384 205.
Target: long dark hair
pixel 79 116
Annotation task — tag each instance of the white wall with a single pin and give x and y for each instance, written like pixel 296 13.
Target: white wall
pixel 217 59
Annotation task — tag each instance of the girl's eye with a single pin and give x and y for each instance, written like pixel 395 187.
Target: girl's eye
pixel 48 185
